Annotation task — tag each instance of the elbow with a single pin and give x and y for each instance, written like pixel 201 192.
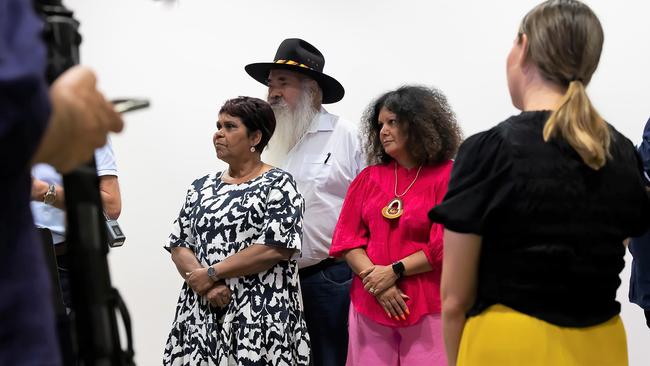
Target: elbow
pixel 455 307
pixel 175 253
pixel 282 254
pixel 273 255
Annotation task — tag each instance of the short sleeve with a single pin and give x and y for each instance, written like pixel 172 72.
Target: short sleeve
pixel 434 246
pixel 105 160
pixel 351 231
pixel 285 206
pixel 480 183
pixel 181 234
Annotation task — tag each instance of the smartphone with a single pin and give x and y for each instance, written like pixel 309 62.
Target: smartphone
pixel 129 104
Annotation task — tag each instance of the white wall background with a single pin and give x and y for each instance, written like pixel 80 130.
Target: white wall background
pixel 188 58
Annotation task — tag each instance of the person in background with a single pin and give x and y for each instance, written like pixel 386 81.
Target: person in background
pixel 48 205
pixel 537 211
pixel 640 246
pixel 60 126
pixel 385 236
pixel 235 242
pixel 322 152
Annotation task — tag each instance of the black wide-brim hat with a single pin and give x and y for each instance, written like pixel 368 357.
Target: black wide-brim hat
pixel 299 56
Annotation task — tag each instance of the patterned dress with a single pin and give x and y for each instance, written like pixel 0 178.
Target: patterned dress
pixel 264 323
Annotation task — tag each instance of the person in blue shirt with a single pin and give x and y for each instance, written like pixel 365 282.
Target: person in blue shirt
pixel 60 126
pixel 640 247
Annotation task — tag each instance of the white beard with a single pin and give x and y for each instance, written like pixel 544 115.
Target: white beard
pixel 290 127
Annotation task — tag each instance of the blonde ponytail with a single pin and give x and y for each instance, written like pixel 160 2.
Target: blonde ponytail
pixel 577 122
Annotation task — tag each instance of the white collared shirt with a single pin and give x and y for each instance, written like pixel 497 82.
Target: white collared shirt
pixel 324 163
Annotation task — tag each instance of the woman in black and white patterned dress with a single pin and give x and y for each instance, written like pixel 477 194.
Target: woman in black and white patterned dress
pixel 234 243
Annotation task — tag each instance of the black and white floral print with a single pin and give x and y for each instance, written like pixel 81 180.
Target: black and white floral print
pixel 263 324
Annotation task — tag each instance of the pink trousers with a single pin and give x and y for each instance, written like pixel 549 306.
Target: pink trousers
pixel 378 345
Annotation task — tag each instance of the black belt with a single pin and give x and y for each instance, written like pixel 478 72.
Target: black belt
pixel 320 266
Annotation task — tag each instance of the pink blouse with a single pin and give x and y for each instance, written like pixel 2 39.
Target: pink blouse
pixel 361 225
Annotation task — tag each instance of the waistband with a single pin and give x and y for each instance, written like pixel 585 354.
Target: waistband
pixel 320 266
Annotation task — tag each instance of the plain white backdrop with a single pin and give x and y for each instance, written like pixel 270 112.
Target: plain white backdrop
pixel 188 58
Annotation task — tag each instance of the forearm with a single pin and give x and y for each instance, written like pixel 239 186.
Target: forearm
pixel 254 259
pixel 458 286
pixel 185 261
pixel 416 263
pixel 453 322
pixel 357 259
pixel 109 189
pixel 111 208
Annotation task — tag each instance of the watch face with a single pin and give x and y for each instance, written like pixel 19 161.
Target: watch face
pixel 398 268
pixel 50 196
pixel 212 273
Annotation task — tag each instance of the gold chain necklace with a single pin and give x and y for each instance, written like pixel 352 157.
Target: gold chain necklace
pixel 395 207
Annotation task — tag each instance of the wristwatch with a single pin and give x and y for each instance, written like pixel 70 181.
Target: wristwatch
pixel 398 268
pixel 50 195
pixel 212 273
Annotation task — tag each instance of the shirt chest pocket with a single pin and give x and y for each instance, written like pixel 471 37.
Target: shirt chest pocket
pixel 316 167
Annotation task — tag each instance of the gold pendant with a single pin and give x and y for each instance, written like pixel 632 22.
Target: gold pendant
pixel 393 209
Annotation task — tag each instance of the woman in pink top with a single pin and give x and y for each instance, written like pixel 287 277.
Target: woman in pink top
pixel 385 235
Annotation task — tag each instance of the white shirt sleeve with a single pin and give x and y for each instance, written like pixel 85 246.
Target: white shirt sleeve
pixel 105 160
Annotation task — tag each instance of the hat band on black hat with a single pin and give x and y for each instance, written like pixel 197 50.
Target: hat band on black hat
pixel 293 63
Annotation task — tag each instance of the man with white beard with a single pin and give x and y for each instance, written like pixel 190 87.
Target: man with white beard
pixel 323 153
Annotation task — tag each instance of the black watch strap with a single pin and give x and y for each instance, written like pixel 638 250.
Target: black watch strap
pixel 398 268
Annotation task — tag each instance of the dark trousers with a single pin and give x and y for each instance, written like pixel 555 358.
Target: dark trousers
pixel 647 317
pixel 326 299
pixel 64 281
pixel 61 296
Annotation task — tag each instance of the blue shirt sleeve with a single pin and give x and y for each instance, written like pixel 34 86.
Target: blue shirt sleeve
pixel 24 103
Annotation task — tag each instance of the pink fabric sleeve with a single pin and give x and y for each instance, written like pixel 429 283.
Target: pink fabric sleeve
pixel 351 230
pixel 435 244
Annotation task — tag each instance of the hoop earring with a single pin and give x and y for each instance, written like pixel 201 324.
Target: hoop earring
pixel 252 148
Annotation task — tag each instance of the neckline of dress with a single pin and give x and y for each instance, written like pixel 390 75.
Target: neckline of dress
pixel 246 182
pixel 404 171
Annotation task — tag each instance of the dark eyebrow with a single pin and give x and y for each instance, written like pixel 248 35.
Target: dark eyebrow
pixel 226 120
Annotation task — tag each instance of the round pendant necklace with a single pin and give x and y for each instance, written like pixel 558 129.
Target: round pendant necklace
pixel 395 207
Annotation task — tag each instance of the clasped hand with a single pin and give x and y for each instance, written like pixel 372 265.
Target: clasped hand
pixel 217 293
pixel 393 300
pixel 376 279
pixel 380 282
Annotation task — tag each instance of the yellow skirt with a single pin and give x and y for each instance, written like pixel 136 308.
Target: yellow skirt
pixel 501 336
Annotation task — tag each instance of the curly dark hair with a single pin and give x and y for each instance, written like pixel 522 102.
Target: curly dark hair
pixel 255 114
pixel 426 118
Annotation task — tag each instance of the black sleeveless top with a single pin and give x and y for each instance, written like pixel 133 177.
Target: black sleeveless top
pixel 552 228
